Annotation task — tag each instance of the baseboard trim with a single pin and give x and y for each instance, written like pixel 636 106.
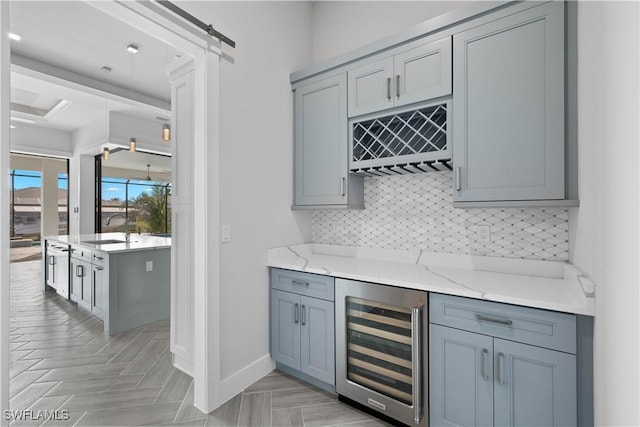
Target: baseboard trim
pixel 237 382
pixel 182 364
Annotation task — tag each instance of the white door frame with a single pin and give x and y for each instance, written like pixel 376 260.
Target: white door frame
pixel 5 147
pixel 205 53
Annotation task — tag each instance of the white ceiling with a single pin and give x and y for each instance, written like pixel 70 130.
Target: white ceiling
pixel 75 37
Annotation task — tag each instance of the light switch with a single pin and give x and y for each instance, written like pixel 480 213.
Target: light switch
pixel 226 234
pixel 149 266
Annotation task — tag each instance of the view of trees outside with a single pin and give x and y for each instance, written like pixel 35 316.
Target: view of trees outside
pixel 147 204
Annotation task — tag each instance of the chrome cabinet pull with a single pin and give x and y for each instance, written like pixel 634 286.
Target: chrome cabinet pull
pixel 481 318
pixel 299 283
pixel 52 260
pixel 458 178
pixel 343 186
pixel 304 315
pixel 398 86
pixel 500 369
pixel 416 358
pixel 389 88
pixel 296 315
pixel 485 361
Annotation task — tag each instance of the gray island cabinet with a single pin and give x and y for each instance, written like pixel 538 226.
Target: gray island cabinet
pixel 124 284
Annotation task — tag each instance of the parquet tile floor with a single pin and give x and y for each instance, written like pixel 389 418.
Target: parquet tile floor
pixel 62 360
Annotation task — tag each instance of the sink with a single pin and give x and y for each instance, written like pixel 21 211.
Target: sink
pixel 103 242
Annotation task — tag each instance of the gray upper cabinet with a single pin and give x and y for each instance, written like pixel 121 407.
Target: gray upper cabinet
pixel 321 167
pixel 415 75
pixel 508 108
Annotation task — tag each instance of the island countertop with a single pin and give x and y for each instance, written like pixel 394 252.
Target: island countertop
pixel 548 285
pixel 138 242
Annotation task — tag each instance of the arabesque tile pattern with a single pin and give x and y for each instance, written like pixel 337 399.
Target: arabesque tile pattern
pixel 416 212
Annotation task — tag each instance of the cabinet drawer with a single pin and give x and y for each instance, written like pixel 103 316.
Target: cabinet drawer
pixel 313 285
pixel 79 252
pixel 98 258
pixel 542 328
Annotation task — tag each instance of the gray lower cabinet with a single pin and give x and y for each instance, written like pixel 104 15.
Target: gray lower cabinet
pixel 100 260
pixel 57 267
pixel 87 279
pixel 478 377
pixel 302 325
pixel 321 175
pixel 508 115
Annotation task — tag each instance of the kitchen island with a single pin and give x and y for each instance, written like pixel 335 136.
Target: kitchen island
pixel 125 283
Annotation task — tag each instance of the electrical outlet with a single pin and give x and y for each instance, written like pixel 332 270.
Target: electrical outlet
pixel 149 266
pixel 483 233
pixel 335 227
pixel 225 234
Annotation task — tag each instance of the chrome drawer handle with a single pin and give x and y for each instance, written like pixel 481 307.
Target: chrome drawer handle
pixel 299 283
pixel 416 360
pixel 481 318
pixel 296 313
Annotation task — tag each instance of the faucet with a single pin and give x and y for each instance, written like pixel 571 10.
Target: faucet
pixel 127 234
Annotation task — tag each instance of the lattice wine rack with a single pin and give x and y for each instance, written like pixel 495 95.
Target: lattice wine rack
pixel 407 142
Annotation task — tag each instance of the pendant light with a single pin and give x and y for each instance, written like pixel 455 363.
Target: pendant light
pixel 133 49
pixel 166 132
pixel 105 151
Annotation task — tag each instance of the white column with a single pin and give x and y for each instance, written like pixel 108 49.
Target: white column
pixel 195 254
pixel 49 197
pixel 206 206
pixel 5 147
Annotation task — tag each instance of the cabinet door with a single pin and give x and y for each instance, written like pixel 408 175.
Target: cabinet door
pixel 321 143
pixel 317 339
pixel 79 271
pixel 97 288
pixel 51 270
pixel 423 72
pixel 62 274
pixel 371 87
pixel 87 290
pixel 285 328
pixel 508 118
pixel 460 378
pixel 534 386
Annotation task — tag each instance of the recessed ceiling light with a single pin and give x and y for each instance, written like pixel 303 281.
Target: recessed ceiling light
pixel 105 68
pixel 13 127
pixel 132 48
pixel 15 37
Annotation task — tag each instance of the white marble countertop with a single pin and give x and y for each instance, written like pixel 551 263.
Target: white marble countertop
pixel 138 242
pixel 541 284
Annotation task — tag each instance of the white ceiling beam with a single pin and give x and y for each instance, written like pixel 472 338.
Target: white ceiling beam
pixel 52 74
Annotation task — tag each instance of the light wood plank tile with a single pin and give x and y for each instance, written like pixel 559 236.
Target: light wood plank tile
pixel 175 388
pixel 188 411
pixel 143 362
pixel 30 395
pixel 308 396
pixel 159 372
pixel 255 410
pixel 89 385
pixel 84 371
pixel 287 417
pixel 331 414
pixel 111 399
pixel 154 414
pixel 22 381
pixel 275 382
pixel 43 408
pixel 226 415
pixel 72 361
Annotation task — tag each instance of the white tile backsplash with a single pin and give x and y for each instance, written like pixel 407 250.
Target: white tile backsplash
pixel 416 212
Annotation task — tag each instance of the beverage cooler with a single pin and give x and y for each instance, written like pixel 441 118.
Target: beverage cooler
pixel 381 349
